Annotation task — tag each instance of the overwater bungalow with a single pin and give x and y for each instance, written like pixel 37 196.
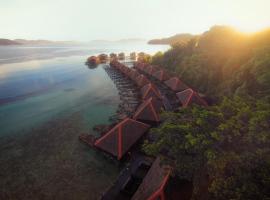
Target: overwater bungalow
pixel 121 56
pixel 143 57
pixel 161 75
pixel 133 74
pixel 150 90
pixel 150 70
pixel 148 111
pixel 122 137
pixel 176 85
pixel 92 60
pixel 189 96
pixel 140 65
pixel 113 56
pixel 133 56
pixel 140 56
pixel 103 58
pixel 154 183
pixel 142 80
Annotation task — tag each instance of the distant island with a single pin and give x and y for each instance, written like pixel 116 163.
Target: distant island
pixel 129 40
pixel 178 38
pixel 7 42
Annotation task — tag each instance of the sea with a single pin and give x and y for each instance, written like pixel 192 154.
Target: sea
pixel 48 97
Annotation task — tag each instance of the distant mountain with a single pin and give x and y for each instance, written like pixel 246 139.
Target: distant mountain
pixel 179 38
pixel 130 40
pixel 37 42
pixel 51 43
pixel 46 42
pixel 5 42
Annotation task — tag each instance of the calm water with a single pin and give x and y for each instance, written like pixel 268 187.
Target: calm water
pixel 47 98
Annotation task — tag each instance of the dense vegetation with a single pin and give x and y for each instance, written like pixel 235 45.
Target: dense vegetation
pixel 182 38
pixel 223 148
pixel 222 61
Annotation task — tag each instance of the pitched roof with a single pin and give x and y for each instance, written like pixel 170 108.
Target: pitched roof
pixel 176 84
pixel 154 183
pixel 116 64
pixel 161 75
pixel 147 111
pixel 150 90
pixel 125 70
pixel 120 138
pixel 140 65
pixel 142 80
pixel 189 96
pixel 150 69
pixel 133 74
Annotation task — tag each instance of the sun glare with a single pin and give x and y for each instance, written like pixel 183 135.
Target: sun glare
pixel 249 29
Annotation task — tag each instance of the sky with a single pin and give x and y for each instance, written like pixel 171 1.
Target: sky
pixel 86 20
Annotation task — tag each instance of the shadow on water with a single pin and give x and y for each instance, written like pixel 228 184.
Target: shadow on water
pixel 91 65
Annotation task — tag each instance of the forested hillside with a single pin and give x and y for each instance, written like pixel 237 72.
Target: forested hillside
pixel 222 61
pixel 176 39
pixel 224 149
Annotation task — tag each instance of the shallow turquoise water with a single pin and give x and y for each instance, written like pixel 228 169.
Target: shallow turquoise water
pixel 47 100
pixel 56 88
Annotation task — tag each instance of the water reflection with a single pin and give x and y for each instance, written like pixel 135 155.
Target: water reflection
pixel 41 157
pixel 55 87
pixel 91 65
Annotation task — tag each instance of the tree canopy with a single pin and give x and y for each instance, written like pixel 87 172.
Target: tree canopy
pixel 227 143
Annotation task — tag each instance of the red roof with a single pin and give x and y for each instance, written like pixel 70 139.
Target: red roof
pixel 176 84
pixel 133 74
pixel 148 111
pixel 150 90
pixel 189 96
pixel 150 69
pixel 154 183
pixel 140 65
pixel 120 138
pixel 161 75
pixel 142 80
pixel 126 70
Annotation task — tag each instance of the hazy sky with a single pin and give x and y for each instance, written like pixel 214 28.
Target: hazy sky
pixel 116 19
